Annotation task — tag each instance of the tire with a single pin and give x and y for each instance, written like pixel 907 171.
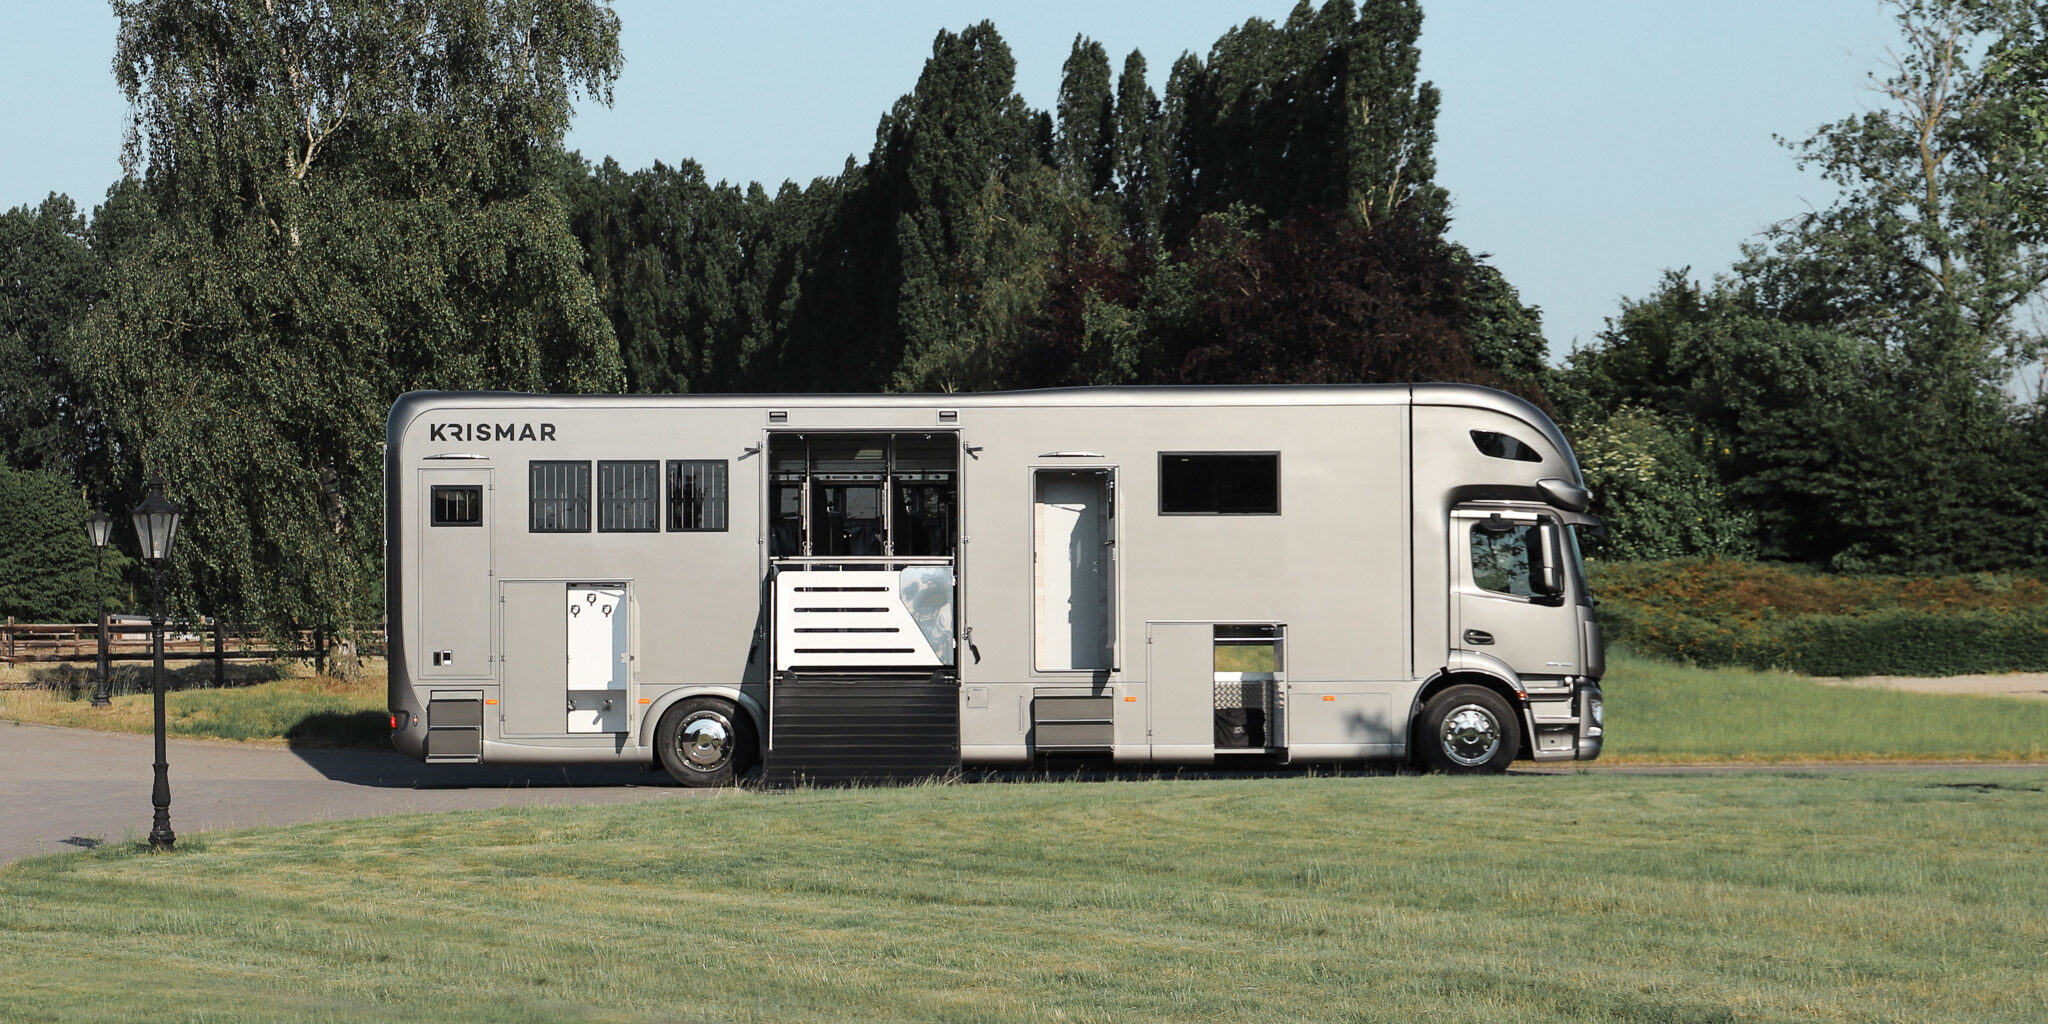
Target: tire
pixel 705 741
pixel 1467 729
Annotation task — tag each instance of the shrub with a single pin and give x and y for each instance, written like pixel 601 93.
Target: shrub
pixel 1720 612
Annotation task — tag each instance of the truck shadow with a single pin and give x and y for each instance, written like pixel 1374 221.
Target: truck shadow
pixel 388 769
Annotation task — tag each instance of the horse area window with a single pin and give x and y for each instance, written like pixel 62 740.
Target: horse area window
pixel 558 497
pixel 1219 483
pixel 628 497
pixel 696 496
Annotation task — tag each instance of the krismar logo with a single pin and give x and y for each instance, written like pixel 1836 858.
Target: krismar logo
pixel 491 432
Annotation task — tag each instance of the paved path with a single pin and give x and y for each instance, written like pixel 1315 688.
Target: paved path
pixel 2024 685
pixel 66 789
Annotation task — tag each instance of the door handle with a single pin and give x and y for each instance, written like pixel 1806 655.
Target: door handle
pixel 1478 637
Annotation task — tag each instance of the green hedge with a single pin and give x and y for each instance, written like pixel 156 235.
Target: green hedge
pixel 1897 642
pixel 1736 613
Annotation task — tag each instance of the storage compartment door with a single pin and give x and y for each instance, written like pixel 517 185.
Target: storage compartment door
pixel 1181 675
pixel 532 658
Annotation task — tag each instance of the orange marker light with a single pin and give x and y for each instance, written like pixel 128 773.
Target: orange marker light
pixel 1329 697
pixel 490 700
pixel 646 700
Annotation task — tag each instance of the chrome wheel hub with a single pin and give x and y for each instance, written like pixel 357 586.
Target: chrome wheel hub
pixel 1471 735
pixel 705 741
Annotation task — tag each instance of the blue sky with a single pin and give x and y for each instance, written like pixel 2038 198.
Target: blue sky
pixel 1587 144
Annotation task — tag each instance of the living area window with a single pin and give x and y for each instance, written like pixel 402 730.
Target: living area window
pixel 1219 483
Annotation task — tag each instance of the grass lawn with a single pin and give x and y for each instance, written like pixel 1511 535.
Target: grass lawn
pixel 264 703
pixel 1657 711
pixel 1662 711
pixel 1910 895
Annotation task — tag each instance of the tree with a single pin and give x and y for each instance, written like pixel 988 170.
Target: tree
pixel 1855 365
pixel 355 196
pixel 974 194
pixel 983 244
pixel 46 562
pixel 1084 141
pixel 1324 299
pixel 696 278
pixel 1658 490
pixel 1140 154
pixel 1324 112
pixel 48 276
pixel 1504 335
pixel 1939 238
pixel 1813 436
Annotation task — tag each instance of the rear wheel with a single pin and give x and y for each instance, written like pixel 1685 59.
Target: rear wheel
pixel 1467 728
pixel 705 741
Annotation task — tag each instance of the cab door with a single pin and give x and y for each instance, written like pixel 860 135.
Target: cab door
pixel 1510 598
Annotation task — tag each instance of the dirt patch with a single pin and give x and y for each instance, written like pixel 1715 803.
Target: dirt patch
pixel 2028 685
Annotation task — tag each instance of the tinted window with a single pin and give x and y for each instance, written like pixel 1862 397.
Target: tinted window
pixel 1504 446
pixel 628 497
pixel 696 495
pixel 1193 483
pixel 457 506
pixel 560 497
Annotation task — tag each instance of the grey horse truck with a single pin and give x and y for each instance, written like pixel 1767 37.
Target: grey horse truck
pixel 849 587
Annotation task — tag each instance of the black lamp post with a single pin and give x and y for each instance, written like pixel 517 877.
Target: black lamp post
pixel 156 526
pixel 100 528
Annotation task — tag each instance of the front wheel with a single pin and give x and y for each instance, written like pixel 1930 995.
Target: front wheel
pixel 1467 728
pixel 705 741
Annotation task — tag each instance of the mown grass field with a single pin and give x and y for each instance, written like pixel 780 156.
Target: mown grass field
pixel 1658 711
pixel 1662 711
pixel 1902 895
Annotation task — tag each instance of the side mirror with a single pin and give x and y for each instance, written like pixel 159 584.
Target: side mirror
pixel 1550 582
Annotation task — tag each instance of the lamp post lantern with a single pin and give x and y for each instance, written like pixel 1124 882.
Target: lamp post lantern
pixel 99 527
pixel 156 527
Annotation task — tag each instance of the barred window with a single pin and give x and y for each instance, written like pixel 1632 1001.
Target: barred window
pixel 696 496
pixel 461 505
pixel 628 497
pixel 559 497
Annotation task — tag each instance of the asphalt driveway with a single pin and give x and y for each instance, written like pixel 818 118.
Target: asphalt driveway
pixel 68 789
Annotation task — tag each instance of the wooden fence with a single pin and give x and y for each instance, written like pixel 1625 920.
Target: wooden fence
pixel 128 640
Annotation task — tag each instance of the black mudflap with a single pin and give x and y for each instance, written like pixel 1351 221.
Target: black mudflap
pixel 845 728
